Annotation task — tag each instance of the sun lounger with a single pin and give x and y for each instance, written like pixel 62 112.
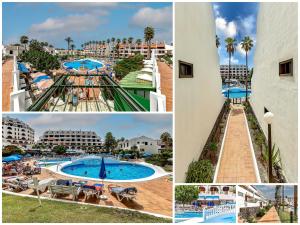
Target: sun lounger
pixel 92 190
pixel 42 185
pixel 123 193
pixel 66 190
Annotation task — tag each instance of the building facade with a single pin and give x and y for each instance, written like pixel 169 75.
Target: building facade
pixel 75 140
pixel 143 144
pixel 16 132
pixel 238 72
pixel 197 80
pixel 275 79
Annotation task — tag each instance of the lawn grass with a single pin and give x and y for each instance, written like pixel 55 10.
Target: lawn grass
pixel 285 216
pixel 16 209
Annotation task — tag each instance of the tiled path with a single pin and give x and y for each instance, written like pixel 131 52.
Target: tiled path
pixel 270 217
pixel 166 80
pixel 7 68
pixel 236 163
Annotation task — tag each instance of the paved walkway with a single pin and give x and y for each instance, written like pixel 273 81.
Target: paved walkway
pixel 166 79
pixel 236 164
pixel 270 217
pixel 7 68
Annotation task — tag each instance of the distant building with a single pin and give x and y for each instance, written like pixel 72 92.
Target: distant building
pixel 11 50
pixel 16 132
pixel 143 144
pixel 74 140
pixel 238 72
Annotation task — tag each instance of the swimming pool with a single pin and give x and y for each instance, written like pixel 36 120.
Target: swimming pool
pixel 236 92
pixel 188 214
pixel 52 161
pixel 227 218
pixel 115 170
pixel 89 64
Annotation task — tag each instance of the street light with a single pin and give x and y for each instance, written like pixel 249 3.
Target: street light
pixel 268 117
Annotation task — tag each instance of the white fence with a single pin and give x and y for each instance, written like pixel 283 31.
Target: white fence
pixel 157 99
pixel 218 210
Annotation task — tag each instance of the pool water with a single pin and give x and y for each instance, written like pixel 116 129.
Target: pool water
pixel 84 63
pixel 188 214
pixel 236 92
pixel 114 171
pixel 228 218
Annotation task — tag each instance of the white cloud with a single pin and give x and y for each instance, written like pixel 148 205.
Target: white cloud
pixel 60 27
pixel 240 50
pixel 248 25
pixel 100 8
pixel 216 8
pixel 233 60
pixel 227 29
pixel 160 19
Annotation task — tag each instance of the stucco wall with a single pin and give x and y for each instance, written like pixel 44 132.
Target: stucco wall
pixel 198 99
pixel 277 41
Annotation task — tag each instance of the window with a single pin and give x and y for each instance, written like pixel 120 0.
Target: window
pixel 185 70
pixel 146 143
pixel 265 110
pixel 286 68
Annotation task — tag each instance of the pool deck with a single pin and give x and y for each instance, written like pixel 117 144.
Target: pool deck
pixel 7 77
pixel 270 217
pixel 154 196
pixel 236 160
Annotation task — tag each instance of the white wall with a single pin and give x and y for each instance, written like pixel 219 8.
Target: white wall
pixel 277 41
pixel 198 99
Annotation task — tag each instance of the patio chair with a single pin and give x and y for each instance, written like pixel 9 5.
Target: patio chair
pixel 42 185
pixel 123 193
pixel 56 190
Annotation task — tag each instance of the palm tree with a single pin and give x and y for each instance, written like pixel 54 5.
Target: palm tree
pixel 118 46
pixel 72 46
pixel 230 48
pixel 217 41
pixel 130 40
pixel 247 44
pixel 24 41
pixel 69 41
pixel 148 35
pixel 296 200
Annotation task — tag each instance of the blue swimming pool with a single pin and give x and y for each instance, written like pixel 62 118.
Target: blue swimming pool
pixel 83 63
pixel 115 170
pixel 228 218
pixel 236 92
pixel 188 214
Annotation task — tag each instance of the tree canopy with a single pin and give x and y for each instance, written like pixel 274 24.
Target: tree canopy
pixel 186 193
pixel 110 141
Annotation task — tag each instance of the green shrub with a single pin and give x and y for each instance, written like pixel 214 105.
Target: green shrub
pixel 11 149
pixel 127 65
pixel 261 212
pixel 200 172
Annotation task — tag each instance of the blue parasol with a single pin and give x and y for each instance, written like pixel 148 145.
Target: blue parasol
pixel 102 173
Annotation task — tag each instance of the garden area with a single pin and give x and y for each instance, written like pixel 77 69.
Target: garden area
pixel 260 146
pixel 28 210
pixel 202 171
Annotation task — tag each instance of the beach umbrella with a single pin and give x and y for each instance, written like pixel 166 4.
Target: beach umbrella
pixel 102 173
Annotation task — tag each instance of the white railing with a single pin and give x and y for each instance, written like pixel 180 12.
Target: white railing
pixel 218 210
pixel 157 99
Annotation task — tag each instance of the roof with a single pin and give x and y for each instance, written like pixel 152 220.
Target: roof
pixel 131 81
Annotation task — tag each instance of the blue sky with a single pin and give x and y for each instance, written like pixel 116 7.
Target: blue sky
pixel 53 22
pixel 121 125
pixel 269 190
pixel 235 20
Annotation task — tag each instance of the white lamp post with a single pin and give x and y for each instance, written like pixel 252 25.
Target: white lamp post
pixel 268 117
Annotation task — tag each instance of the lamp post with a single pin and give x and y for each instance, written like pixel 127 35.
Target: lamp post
pixel 268 117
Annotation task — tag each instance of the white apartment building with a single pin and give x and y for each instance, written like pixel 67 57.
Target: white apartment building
pixel 238 72
pixel 16 132
pixel 224 192
pixel 75 140
pixel 249 197
pixel 126 50
pixel 11 50
pixel 197 81
pixel 275 79
pixel 143 144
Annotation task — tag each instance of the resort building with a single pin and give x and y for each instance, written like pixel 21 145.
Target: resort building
pixel 16 132
pixel 141 144
pixel 11 50
pixel 198 82
pixel 126 50
pixel 249 200
pixel 224 192
pixel 275 79
pixel 75 140
pixel 238 72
